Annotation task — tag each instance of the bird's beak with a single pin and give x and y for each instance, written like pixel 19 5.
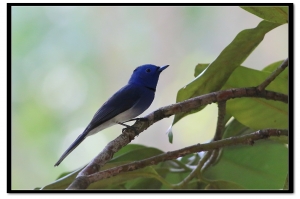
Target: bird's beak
pixel 163 68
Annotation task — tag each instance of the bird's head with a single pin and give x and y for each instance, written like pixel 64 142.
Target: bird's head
pixel 146 75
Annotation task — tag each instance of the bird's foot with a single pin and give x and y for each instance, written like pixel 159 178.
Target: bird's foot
pixel 129 127
pixel 132 128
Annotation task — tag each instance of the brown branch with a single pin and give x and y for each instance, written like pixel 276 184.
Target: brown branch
pixel 219 133
pixel 263 85
pixel 244 139
pixel 220 122
pixel 128 134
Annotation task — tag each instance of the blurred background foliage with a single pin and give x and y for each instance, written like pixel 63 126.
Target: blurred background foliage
pixel 68 60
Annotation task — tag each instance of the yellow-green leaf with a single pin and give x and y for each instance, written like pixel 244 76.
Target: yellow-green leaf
pixel 261 166
pixel 257 113
pixel 276 14
pixel 222 184
pixel 218 72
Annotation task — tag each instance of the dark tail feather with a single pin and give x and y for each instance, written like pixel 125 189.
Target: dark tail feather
pixel 71 148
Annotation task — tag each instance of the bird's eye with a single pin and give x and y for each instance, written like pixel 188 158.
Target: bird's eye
pixel 148 70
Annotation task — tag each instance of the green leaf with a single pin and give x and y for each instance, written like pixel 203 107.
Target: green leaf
pixel 235 128
pixel 122 178
pixel 222 184
pixel 143 183
pixel 286 184
pixel 175 177
pixel 281 139
pixel 261 166
pixel 217 73
pixel 149 183
pixel 195 184
pixel 257 113
pixel 199 69
pixel 128 148
pixel 137 154
pixel 63 182
pixel 278 14
pixel 130 153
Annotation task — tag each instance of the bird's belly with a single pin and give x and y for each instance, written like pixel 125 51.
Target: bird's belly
pixel 101 127
pixel 122 117
pixel 127 115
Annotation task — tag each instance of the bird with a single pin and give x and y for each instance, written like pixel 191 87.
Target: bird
pixel 127 103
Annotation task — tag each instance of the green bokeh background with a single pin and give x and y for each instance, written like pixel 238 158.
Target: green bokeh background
pixel 67 61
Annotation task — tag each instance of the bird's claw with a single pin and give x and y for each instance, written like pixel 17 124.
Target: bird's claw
pixel 132 128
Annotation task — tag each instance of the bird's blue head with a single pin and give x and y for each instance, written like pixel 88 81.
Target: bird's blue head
pixel 146 75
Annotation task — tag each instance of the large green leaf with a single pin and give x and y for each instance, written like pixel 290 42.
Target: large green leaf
pixel 132 152
pixel 278 14
pixel 113 182
pixel 262 166
pixel 143 183
pixel 137 154
pixel 235 128
pixel 149 183
pixel 257 113
pixel 195 184
pixel 175 177
pixel 122 178
pixel 222 184
pixel 127 148
pixel 62 182
pixel 217 73
pixel 65 181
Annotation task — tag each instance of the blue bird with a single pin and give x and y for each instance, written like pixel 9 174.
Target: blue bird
pixel 127 103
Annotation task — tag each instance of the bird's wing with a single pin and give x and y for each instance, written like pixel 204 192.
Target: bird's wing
pixel 121 101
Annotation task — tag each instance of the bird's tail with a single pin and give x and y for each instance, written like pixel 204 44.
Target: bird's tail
pixel 80 138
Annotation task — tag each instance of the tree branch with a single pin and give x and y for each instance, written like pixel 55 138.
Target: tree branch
pixel 244 139
pixel 220 122
pixel 128 134
pixel 219 133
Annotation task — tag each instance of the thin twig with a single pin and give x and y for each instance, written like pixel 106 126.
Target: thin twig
pixel 219 133
pixel 263 85
pixel 220 123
